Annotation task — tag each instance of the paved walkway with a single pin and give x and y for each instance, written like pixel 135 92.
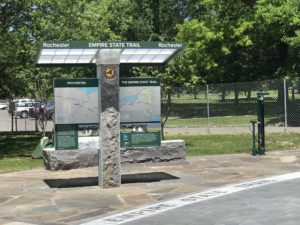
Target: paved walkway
pixel 70 197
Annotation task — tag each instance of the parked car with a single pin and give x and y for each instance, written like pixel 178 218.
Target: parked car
pixel 21 102
pixel 49 111
pixel 3 104
pixel 24 100
pixel 47 108
pixel 22 109
pixel 34 112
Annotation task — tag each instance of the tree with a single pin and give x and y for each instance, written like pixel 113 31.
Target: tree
pixel 217 37
pixel 14 46
pixel 277 23
pixel 24 24
pixel 234 41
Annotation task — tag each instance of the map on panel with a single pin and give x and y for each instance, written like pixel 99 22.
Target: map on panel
pixel 140 104
pixel 76 105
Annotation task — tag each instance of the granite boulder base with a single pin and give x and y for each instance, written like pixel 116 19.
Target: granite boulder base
pixel 88 156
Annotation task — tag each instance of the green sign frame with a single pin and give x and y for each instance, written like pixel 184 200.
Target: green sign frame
pixel 66 137
pixel 111 45
pixel 85 53
pixel 130 139
pixel 75 82
pixel 132 82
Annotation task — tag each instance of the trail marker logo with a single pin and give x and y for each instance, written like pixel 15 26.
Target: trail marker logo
pixel 109 72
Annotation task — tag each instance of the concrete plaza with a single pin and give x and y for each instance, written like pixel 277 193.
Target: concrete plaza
pixel 70 197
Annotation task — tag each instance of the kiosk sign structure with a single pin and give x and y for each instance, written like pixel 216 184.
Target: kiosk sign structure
pixel 107 56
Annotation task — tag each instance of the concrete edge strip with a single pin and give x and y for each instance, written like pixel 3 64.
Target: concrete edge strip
pixel 152 209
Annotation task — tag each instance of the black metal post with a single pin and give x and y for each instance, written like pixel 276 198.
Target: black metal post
pixel 12 121
pixel 16 121
pixel 254 150
pixel 261 123
pixel 11 109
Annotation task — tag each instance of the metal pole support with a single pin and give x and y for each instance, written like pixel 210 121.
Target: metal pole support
pixel 12 121
pixel 254 150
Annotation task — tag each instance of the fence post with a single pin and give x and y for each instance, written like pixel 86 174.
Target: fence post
pixel 207 101
pixel 285 105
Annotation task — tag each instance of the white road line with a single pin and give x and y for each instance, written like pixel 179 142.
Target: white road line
pixel 138 213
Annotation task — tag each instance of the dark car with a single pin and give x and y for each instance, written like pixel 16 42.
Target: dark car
pixel 43 109
pixel 49 111
pixel 34 112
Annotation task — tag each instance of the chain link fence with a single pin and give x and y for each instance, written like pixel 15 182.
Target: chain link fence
pixel 233 105
pixel 220 107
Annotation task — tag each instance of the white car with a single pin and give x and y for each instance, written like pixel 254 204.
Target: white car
pixel 22 109
pixel 3 104
pixel 22 101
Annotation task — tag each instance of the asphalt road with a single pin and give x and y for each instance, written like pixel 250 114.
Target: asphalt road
pixel 19 124
pixel 273 204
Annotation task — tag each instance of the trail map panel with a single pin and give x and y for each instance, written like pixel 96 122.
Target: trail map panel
pixel 140 100
pixel 76 101
pixel 140 112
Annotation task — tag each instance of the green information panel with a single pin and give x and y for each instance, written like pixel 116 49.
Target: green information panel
pixel 66 137
pixel 142 139
pixel 140 112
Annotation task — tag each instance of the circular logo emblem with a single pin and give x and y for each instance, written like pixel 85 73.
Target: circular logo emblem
pixel 109 72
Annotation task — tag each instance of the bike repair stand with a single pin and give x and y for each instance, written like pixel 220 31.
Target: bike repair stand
pixel 261 123
pixel 260 126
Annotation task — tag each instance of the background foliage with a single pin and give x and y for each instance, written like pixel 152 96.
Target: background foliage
pixel 227 41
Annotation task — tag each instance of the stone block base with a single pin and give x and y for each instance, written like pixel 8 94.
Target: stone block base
pixel 88 157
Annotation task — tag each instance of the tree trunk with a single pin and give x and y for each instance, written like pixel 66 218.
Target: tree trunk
pixel 280 98
pixel 223 95
pixel 236 94
pixel 156 16
pixel 248 94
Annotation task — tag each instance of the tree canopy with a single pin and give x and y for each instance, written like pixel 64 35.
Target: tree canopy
pixel 226 41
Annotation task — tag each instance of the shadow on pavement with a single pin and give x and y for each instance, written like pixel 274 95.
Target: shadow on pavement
pixel 93 181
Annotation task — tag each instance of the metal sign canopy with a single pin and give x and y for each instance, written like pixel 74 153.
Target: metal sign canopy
pixel 85 52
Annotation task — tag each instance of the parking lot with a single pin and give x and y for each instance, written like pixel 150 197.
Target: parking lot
pixel 19 124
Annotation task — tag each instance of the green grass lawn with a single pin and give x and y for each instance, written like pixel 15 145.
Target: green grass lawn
pixel 216 97
pixel 220 121
pixel 16 150
pixel 213 121
pixel 19 163
pixel 231 144
pixel 188 111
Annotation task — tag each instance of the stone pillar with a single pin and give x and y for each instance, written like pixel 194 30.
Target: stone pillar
pixel 109 164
